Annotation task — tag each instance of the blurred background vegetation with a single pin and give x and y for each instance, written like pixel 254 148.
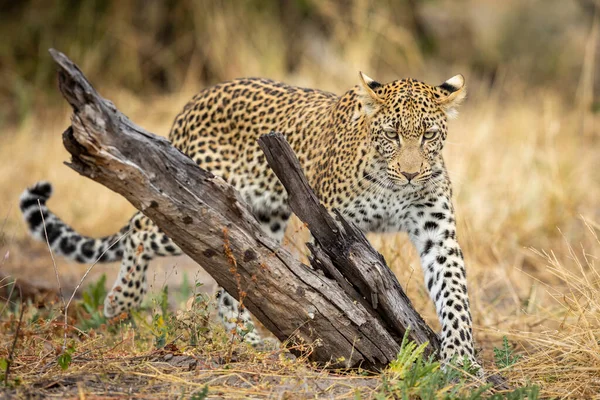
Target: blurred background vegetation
pixel 153 46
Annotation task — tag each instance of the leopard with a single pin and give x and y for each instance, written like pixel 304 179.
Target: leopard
pixel 374 154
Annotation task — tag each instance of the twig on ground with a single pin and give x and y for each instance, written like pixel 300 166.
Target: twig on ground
pixel 60 293
pixel 14 345
pixel 12 289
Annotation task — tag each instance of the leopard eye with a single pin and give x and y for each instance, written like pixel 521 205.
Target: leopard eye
pixel 430 133
pixel 391 133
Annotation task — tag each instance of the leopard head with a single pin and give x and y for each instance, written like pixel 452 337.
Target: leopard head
pixel 407 123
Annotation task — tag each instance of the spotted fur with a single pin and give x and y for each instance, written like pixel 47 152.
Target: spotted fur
pixel 373 153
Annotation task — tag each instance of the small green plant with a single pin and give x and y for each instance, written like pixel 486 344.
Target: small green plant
pixel 413 376
pixel 162 326
pixel 504 356
pixel 201 394
pixel 3 368
pixel 160 330
pixel 248 327
pixel 163 300
pixel 185 290
pixel 198 315
pixel 64 360
pixel 90 314
pixel 194 319
pixel 13 382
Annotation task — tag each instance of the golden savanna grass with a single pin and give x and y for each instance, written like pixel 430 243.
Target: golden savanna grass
pixel 525 166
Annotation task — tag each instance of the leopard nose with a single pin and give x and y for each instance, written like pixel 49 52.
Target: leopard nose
pixel 410 175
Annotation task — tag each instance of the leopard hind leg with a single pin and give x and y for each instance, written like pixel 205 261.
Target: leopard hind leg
pixel 144 242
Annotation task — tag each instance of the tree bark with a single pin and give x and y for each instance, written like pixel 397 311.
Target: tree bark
pixel 348 308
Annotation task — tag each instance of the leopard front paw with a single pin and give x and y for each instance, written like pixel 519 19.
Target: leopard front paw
pixel 462 357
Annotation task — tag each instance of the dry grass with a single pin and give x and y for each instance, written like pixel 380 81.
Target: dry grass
pixel 526 173
pixel 125 361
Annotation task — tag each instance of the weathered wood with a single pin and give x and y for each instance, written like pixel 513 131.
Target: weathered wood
pixel 211 223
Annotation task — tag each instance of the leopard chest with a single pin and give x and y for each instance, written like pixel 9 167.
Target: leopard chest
pixel 385 210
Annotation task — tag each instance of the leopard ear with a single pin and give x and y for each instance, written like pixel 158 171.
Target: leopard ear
pixel 451 93
pixel 370 100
